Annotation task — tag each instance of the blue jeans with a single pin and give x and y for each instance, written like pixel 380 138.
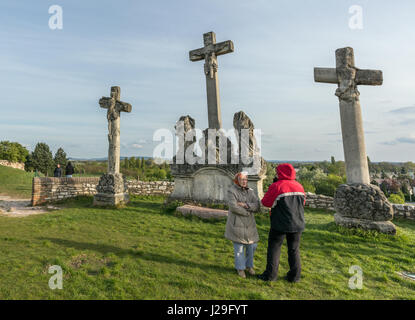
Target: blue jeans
pixel 244 255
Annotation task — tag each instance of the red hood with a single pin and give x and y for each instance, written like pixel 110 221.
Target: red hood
pixel 286 172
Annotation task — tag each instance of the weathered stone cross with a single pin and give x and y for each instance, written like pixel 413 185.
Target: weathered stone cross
pixel 209 52
pixel 114 106
pixel 347 76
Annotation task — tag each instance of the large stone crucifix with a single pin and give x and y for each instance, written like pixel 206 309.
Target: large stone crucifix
pixel 348 77
pixel 114 106
pixel 209 52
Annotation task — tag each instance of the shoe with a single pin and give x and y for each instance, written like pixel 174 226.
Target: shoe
pixel 264 277
pixel 241 273
pixel 291 280
pixel 251 271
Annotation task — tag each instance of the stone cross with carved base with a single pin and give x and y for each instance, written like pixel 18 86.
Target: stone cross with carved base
pixel 348 77
pixel 209 52
pixel 358 204
pixel 110 189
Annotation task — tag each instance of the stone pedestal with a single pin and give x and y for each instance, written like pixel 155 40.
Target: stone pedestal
pixel 208 184
pixel 111 191
pixel 363 206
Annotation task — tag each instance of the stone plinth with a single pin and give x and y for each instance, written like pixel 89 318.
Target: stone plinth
pixel 111 190
pixel 363 206
pixel 208 184
pixel 380 226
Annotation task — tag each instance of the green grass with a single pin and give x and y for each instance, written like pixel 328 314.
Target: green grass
pixel 144 251
pixel 15 182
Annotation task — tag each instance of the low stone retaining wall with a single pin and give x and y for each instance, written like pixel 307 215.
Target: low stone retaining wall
pixel 404 211
pixel 15 165
pixel 55 189
pixel 149 187
pixel 319 201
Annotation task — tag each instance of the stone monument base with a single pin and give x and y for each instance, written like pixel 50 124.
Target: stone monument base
pixel 360 205
pixel 108 199
pixel 208 184
pixel 380 226
pixel 111 191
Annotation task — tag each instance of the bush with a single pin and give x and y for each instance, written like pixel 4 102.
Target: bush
pixel 308 186
pixel 328 185
pixel 13 151
pixel 396 198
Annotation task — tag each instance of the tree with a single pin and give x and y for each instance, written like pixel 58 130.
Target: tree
pixel 60 158
pixel 132 163
pixel 333 161
pixel 28 164
pixel 13 151
pixel 42 158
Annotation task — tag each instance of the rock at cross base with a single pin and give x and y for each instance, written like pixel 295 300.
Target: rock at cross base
pixel 363 206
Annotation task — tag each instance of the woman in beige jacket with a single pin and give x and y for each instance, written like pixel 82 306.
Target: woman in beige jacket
pixel 241 226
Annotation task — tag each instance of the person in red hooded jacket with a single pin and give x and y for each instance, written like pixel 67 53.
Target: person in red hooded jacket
pixel 286 198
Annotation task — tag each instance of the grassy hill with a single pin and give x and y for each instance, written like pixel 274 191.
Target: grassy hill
pixel 145 251
pixel 15 182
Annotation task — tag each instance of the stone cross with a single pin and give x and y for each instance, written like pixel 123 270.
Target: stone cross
pixel 114 106
pixel 209 52
pixel 348 77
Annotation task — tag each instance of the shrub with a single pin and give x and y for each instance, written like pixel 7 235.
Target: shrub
pixel 13 151
pixel 328 185
pixel 308 186
pixel 396 198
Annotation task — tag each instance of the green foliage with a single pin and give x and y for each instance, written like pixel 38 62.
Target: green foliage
pixel 42 159
pixel 308 186
pixel 60 158
pixel 397 198
pixel 337 168
pixel 310 175
pixel 270 174
pixel 28 164
pixel 13 151
pixel 328 185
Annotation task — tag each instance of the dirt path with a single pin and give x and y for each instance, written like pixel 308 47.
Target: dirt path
pixel 12 207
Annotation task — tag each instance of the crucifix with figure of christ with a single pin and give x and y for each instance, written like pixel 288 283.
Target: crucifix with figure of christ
pixel 348 77
pixel 114 106
pixel 209 52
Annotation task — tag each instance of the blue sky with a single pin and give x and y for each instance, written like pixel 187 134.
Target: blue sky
pixel 52 79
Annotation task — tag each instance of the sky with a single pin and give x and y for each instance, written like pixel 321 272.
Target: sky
pixel 52 79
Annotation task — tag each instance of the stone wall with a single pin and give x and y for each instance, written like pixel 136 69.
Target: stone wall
pixel 319 201
pixel 55 189
pixel 149 187
pixel 404 211
pixel 15 165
